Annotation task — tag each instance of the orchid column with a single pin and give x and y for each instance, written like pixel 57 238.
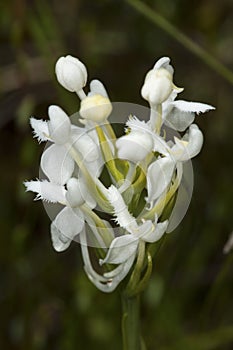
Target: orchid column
pixel 144 172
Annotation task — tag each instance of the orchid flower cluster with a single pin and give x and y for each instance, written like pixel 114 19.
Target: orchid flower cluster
pixel 117 223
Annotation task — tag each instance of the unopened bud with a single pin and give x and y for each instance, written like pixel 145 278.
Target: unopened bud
pixel 71 73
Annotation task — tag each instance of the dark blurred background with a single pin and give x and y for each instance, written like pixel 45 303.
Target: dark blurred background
pixel 46 300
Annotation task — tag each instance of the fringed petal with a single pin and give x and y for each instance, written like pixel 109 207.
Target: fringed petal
pixel 47 191
pixel 182 113
pixel 40 129
pixel 195 107
pixel 123 217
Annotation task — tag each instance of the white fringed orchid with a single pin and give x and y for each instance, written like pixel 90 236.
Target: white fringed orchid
pixel 69 222
pixel 158 83
pixel 144 169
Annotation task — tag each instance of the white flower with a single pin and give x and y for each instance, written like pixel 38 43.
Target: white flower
pixel 109 280
pixel 125 247
pixel 64 135
pixel 71 73
pixel 160 172
pixel 73 165
pixel 158 83
pixel 69 222
pixel 96 106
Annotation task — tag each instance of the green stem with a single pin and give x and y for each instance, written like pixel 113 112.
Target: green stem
pixel 184 40
pixel 131 322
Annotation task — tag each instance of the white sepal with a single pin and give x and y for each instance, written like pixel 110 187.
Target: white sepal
pixel 178 120
pixel 57 164
pixel 69 222
pixel 159 176
pixel 121 249
pixel 59 125
pixel 164 62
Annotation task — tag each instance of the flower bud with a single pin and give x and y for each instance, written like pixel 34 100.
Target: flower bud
pixel 158 86
pixel 71 73
pixel 74 193
pixel 59 125
pixel 135 146
pixel 96 108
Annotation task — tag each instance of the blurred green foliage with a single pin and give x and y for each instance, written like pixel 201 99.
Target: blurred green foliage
pixel 46 299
